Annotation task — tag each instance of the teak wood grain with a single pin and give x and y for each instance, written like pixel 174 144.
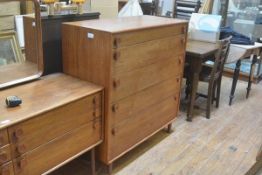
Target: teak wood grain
pixel 47 156
pixel 30 134
pixel 61 118
pixel 7 169
pixel 42 96
pixel 124 109
pixel 128 56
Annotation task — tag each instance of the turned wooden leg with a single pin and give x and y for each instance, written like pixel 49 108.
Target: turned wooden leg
pixel 218 91
pixel 251 74
pixel 93 162
pixel 169 128
pixel 234 83
pixel 110 168
pixel 209 99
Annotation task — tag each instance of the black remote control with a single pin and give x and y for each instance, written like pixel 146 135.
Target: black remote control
pixel 13 101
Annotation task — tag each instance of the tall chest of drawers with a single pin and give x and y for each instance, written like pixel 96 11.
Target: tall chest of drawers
pixel 139 61
pixel 60 118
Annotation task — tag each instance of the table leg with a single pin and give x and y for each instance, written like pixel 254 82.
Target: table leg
pixel 195 67
pixel 234 83
pixel 251 74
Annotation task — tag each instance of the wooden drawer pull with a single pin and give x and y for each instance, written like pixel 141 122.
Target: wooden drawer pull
pixel 18 133
pixel 113 131
pixel 94 101
pixel 115 108
pixel 178 80
pixel 175 98
pixel 179 61
pixel 116 42
pixel 184 30
pixel 21 149
pixel 21 163
pixel 116 55
pixel 182 40
pixel 3 157
pixel 116 83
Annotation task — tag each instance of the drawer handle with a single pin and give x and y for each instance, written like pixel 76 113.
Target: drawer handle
pixel 18 133
pixel 177 80
pixel 116 83
pixel 94 101
pixel 184 30
pixel 3 157
pixel 115 108
pixel 113 131
pixel 21 163
pixel 116 55
pixel 180 61
pixel 21 149
pixel 175 98
pixel 116 42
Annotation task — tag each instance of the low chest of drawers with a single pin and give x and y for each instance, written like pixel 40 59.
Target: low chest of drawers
pixel 139 61
pixel 60 118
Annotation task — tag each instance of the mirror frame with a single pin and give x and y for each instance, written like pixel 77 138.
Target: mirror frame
pixel 39 48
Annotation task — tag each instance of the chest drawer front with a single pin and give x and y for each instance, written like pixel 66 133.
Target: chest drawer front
pixel 3 137
pixel 52 154
pixel 127 107
pixel 131 38
pixel 131 82
pixel 145 123
pixel 36 131
pixel 5 154
pixel 143 54
pixel 7 169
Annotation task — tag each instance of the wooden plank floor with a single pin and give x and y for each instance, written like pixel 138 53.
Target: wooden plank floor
pixel 226 144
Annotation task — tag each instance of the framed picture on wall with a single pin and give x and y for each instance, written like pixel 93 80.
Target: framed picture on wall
pixel 10 51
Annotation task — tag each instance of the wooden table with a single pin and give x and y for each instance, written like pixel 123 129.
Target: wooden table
pixel 236 54
pixel 197 52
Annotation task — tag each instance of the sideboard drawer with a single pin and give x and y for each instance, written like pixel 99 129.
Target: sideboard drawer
pixel 128 83
pixel 41 129
pixel 3 137
pixel 47 156
pixel 7 169
pixel 146 53
pixel 5 154
pixel 128 134
pixel 125 108
pixel 131 38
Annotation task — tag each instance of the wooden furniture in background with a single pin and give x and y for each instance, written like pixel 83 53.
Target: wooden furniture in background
pixel 52 46
pixel 236 54
pixel 197 52
pixel 213 75
pixel 139 61
pixel 184 9
pixel 60 119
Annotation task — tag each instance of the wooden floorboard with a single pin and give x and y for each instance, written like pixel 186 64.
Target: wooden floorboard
pixel 226 144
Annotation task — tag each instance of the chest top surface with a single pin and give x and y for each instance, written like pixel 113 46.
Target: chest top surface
pixel 42 96
pixel 125 24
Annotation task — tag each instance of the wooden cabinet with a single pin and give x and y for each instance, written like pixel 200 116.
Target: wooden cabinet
pixel 139 61
pixel 60 118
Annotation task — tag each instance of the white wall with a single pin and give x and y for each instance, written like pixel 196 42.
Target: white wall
pixel 107 8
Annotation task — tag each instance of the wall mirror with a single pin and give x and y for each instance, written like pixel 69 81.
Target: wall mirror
pixel 21 57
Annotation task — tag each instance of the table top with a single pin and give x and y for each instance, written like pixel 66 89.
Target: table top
pixel 200 49
pixel 126 24
pixel 43 95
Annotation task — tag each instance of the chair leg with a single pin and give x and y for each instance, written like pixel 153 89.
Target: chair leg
pixel 218 91
pixel 187 90
pixel 214 94
pixel 209 99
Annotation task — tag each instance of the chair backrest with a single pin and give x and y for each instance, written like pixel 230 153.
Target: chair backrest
pixel 184 8
pixel 221 57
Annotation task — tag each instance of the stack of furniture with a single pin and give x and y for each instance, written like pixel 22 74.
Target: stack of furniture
pixel 47 131
pixel 183 8
pixel 7 12
pixel 139 61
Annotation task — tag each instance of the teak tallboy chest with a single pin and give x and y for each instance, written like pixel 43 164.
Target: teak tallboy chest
pixel 139 61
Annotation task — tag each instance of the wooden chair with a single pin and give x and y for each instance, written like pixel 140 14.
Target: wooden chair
pixel 213 76
pixel 184 8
